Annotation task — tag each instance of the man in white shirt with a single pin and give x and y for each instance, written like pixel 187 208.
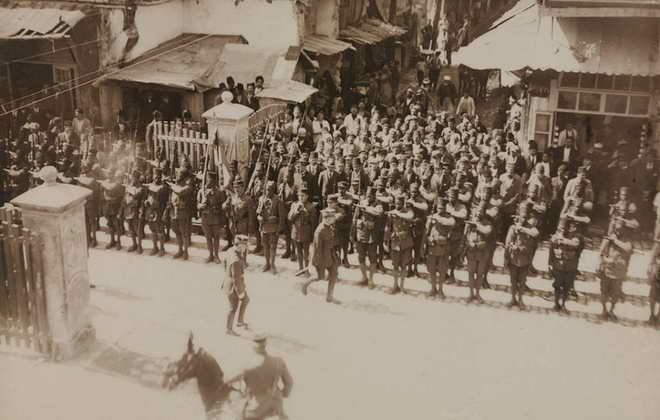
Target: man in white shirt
pixel 567 132
pixel 353 122
pixel 466 105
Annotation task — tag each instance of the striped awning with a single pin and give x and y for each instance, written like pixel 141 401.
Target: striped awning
pixel 321 44
pixel 27 23
pixel 371 31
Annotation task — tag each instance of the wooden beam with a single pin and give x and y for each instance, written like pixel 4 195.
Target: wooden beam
pixel 593 12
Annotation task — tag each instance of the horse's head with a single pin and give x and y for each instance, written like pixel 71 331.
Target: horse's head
pixel 183 369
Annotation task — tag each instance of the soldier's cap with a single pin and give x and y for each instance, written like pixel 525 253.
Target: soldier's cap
pixel 342 184
pixel 136 172
pixel 378 183
pixel 332 198
pixel 242 239
pixel 328 212
pixel 355 182
pixel 68 123
pixel 581 170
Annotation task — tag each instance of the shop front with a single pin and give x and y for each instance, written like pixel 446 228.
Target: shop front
pixel 602 108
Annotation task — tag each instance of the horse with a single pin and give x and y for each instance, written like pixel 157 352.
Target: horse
pixel 221 401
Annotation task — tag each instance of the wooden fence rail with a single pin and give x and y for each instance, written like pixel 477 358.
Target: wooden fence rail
pixel 23 318
pixel 177 141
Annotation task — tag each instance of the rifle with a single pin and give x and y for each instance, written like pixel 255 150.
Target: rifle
pixel 263 188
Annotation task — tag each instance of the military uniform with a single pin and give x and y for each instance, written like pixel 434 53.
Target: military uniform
pixel 563 262
pixel 615 253
pixel 325 258
pixel 459 212
pixel 91 207
pixel 155 207
pixel 303 223
pixel 519 249
pixel 345 202
pixel 399 239
pixel 133 213
pixel 233 285
pixel 476 234
pixel 436 244
pixel 180 215
pixel 364 235
pixel 113 192
pixel 270 214
pixel 209 205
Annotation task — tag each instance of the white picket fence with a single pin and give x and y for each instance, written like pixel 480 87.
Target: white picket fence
pixel 178 141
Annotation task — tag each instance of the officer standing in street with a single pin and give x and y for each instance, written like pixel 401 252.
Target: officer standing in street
pixel 324 252
pixel 364 224
pixel 113 192
pixel 267 384
pixel 234 283
pixel 303 223
pixel 91 205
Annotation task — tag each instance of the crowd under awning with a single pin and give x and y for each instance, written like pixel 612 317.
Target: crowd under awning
pixel 321 44
pixel 525 39
pixel 371 31
pixel 37 23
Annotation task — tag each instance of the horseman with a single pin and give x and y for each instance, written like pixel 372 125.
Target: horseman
pixel 267 383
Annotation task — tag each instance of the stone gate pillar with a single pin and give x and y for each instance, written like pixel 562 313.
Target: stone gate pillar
pixel 230 122
pixel 56 212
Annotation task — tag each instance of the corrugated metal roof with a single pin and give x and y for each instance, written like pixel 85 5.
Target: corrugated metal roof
pixel 28 23
pixel 321 44
pixel 196 66
pixel 371 31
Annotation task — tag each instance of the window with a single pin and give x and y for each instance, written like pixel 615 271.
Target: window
pixel 616 104
pixel 641 84
pixel 622 83
pixel 587 81
pixel 605 82
pixel 589 101
pixel 542 129
pixel 570 80
pixel 639 105
pixel 567 100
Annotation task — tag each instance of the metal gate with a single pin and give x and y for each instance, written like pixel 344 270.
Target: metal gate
pixel 23 318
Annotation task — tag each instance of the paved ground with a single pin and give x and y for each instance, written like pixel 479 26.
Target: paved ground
pixel 373 356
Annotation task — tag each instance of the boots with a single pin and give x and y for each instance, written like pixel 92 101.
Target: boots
pixel 185 254
pixel 241 313
pixel 154 250
pixel 133 247
pixel 330 294
pixel 365 279
pixel 372 269
pixel 162 249
pixel 139 248
pixel 230 324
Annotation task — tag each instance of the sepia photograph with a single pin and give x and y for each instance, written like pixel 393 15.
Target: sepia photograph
pixel 329 209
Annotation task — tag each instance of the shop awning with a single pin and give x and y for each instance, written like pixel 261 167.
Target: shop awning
pixel 371 31
pixel 245 62
pixel 523 38
pixel 28 23
pixel 290 91
pixel 321 44
pixel 193 63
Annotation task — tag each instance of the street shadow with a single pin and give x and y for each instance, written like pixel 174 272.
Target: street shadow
pixel 117 293
pixel 121 362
